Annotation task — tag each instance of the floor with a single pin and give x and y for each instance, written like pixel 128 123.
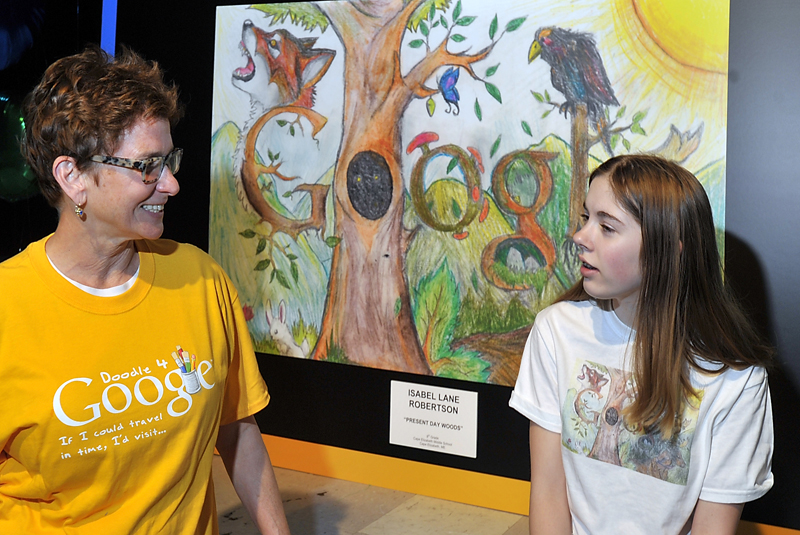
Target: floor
pixel 317 505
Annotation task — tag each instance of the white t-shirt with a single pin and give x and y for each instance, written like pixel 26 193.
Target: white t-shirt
pixel 573 381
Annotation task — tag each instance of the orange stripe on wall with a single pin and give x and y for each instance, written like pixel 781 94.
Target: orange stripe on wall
pixel 463 486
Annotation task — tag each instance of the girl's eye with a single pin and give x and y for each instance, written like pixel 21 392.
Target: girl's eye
pixel 584 217
pixel 607 229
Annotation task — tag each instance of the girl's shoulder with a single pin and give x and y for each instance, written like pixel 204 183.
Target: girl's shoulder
pixel 712 373
pixel 583 315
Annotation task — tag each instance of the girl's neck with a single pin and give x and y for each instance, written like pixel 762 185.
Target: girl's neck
pixel 626 310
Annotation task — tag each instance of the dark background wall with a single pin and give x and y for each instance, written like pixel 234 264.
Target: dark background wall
pixel 347 406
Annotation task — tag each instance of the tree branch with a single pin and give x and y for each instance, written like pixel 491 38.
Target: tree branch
pixel 415 79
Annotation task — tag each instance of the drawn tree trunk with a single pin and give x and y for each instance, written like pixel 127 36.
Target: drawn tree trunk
pixel 368 312
pixel 580 165
pixel 606 444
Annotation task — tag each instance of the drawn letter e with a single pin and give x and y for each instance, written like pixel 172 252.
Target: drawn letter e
pixel 61 415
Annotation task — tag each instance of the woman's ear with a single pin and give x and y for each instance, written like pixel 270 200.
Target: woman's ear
pixel 66 173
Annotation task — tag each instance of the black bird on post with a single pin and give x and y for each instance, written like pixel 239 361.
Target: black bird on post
pixel 577 72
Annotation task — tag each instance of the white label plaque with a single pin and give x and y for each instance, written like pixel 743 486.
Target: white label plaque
pixel 434 418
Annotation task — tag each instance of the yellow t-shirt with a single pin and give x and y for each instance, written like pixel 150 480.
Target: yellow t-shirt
pixel 98 432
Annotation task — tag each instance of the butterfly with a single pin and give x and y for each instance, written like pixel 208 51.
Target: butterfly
pixel 447 86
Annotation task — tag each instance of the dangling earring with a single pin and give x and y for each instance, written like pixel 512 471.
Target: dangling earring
pixel 79 211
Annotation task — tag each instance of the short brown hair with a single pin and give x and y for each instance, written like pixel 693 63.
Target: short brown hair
pixel 85 103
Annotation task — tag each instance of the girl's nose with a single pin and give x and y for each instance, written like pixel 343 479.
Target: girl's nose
pixel 580 238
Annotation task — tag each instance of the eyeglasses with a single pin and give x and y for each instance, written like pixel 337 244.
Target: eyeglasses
pixel 151 168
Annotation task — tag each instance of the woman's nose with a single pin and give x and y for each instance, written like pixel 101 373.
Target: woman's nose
pixel 168 183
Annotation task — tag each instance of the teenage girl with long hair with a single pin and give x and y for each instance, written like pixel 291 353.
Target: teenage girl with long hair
pixel 645 384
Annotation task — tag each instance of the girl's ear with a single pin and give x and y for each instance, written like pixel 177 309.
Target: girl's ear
pixel 66 173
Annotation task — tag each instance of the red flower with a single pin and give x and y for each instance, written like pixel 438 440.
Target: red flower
pixel 248 312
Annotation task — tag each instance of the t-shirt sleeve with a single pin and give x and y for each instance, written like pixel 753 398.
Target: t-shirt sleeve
pixel 245 390
pixel 535 394
pixel 740 466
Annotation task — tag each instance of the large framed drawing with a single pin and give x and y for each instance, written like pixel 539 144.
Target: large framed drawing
pixel 394 184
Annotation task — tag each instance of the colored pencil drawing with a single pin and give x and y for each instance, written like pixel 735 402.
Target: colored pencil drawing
pixel 395 184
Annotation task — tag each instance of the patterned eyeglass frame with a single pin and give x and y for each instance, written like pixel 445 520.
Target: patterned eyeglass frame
pixel 170 160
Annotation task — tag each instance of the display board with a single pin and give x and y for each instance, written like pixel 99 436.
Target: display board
pixel 394 185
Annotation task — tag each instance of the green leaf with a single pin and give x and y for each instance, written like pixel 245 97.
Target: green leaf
pixel 278 155
pixel 491 70
pixel 546 95
pixel 456 209
pixel 291 257
pixel 475 280
pixel 436 309
pixel 272 275
pixel 434 25
pixel 492 90
pixel 306 15
pixel 397 306
pixel 282 279
pixel 457 37
pixel 526 128
pixel 271 156
pixel 247 234
pixel 515 24
pixel 613 141
pixel 638 116
pixel 261 266
pixel 636 128
pixel 626 144
pixel 332 241
pixel 457 11
pixel 545 114
pixel 478 112
pixel 416 43
pixel 493 28
pixel 426 11
pixel 262 244
pixel 452 165
pixel 294 271
pixel 465 21
pixel 621 112
pixel 287 194
pixel 443 21
pixel 430 105
pixel 291 130
pixel 424 28
pixel 495 146
pixel 537 96
pixel 282 123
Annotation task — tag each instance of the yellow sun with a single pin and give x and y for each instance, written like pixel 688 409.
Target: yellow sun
pixel 692 32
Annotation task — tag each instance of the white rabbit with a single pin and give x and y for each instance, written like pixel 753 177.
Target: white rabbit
pixel 282 335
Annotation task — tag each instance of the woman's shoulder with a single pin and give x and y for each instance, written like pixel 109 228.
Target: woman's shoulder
pixel 181 258
pixel 171 251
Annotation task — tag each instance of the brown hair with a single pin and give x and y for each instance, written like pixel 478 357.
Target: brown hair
pixel 85 103
pixel 685 311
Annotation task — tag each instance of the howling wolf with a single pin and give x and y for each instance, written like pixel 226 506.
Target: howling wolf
pixel 281 69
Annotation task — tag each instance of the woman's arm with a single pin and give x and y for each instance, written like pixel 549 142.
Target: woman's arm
pixel 246 459
pixel 712 518
pixel 549 512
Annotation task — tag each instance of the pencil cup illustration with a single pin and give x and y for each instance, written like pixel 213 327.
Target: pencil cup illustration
pixel 188 367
